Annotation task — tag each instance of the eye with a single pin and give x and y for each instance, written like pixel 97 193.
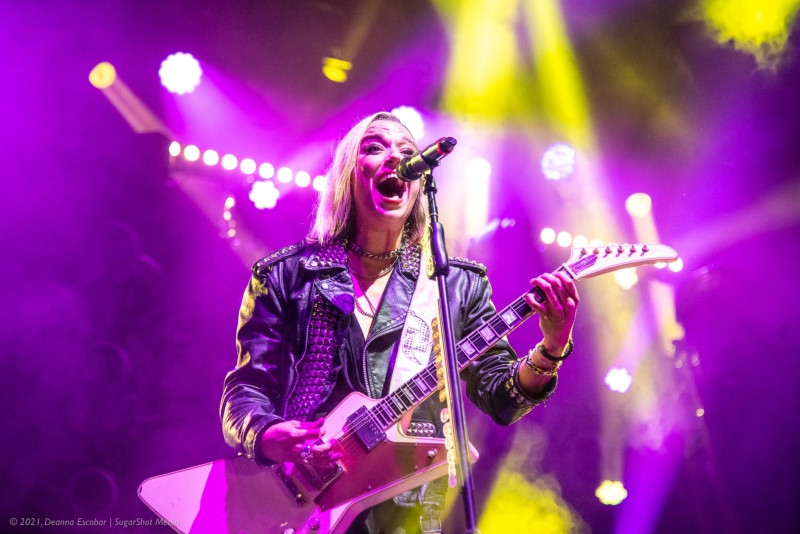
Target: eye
pixel 408 152
pixel 373 148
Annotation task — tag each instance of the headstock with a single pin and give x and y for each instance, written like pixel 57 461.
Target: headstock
pixel 585 262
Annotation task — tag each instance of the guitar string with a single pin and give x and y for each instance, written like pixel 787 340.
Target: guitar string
pixel 371 416
pixel 365 419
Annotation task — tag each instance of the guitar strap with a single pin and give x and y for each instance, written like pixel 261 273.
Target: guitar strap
pixel 413 352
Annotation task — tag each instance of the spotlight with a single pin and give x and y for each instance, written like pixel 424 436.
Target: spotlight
pixel 284 175
pixel 558 161
pixel 611 492
pixel 335 69
pixel 547 235
pixel 191 153
pixel 302 179
pixel 618 379
pixel 103 75
pixel 639 204
pixel 174 149
pixel 247 166
pixel 412 120
pixel 264 195
pixel 266 171
pixel 676 266
pixel 229 162
pixel 563 239
pixel 210 157
pixel 319 182
pixel 180 73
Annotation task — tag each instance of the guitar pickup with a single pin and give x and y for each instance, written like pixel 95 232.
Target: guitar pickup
pixel 366 428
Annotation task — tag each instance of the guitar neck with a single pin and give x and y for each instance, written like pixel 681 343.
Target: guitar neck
pixel 392 407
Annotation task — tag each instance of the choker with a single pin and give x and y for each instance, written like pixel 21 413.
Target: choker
pixel 366 254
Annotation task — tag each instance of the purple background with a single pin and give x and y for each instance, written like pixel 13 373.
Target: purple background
pixel 119 297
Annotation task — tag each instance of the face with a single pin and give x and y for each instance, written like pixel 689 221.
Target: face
pixel 382 200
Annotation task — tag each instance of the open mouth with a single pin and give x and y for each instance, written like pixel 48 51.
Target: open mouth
pixel 392 187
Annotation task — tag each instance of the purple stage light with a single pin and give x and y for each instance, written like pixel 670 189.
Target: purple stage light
pixel 180 73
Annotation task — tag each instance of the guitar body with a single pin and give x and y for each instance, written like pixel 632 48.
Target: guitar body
pixel 235 495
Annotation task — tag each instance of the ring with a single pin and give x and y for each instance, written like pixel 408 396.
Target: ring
pixel 306 454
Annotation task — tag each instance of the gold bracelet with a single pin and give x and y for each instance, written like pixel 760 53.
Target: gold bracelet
pixel 541 371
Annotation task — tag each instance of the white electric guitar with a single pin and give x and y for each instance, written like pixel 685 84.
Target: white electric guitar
pixel 378 460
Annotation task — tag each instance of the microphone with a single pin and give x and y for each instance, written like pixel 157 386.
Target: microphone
pixel 413 167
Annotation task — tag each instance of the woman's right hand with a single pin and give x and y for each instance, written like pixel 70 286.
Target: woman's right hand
pixel 296 441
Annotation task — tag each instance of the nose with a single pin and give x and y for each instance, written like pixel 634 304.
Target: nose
pixel 393 157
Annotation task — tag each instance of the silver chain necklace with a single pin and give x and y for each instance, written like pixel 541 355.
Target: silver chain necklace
pixel 366 254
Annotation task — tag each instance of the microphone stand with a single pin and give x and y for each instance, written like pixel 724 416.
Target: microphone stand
pixel 441 267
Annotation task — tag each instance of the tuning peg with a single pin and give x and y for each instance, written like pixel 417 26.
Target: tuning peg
pixel 644 248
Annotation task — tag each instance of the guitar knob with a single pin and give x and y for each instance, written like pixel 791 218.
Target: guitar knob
pixel 431 453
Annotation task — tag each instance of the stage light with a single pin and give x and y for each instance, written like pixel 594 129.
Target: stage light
pixel 180 73
pixel 618 379
pixel 230 202
pixel 229 162
pixel 700 412
pixel 412 120
pixel 103 75
pixel 174 149
pixel 266 171
pixel 596 242
pixel 626 278
pixel 558 161
pixel 639 204
pixel 547 235
pixel 611 492
pixel 210 157
pixel 563 239
pixel 676 266
pixel 247 166
pixel 284 175
pixel 335 69
pixel 319 182
pixel 191 153
pixel 302 179
pixel 264 195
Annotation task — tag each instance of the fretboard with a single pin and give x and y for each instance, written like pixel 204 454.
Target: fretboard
pixel 389 409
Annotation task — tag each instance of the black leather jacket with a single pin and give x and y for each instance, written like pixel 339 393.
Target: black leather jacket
pixel 272 327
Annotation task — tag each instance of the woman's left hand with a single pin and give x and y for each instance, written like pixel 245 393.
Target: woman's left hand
pixel 557 312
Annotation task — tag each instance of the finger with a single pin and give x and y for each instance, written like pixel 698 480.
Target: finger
pixel 569 286
pixel 557 285
pixel 552 303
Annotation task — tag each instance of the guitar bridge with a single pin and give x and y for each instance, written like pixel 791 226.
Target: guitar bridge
pixel 369 432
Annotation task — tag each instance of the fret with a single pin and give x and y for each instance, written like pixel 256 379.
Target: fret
pixel 478 341
pixel 468 348
pixel 510 316
pixel 487 333
pixel 380 413
pixel 421 383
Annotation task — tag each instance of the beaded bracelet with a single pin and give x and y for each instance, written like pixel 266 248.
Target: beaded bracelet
pixel 541 371
pixel 564 356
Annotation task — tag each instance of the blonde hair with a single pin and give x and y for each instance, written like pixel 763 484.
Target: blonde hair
pixel 335 213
